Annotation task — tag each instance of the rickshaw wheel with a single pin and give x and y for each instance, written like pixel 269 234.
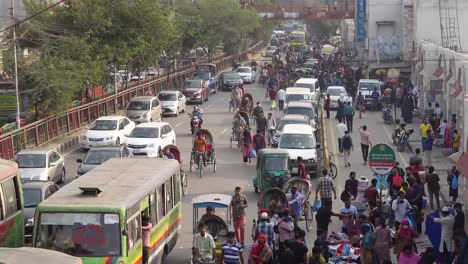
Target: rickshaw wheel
pixel 184 184
pixel 308 217
pixel 214 162
pixel 333 171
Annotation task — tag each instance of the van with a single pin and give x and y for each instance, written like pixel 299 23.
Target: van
pixel 314 88
pixel 301 108
pixel 366 87
pixel 142 109
pixel 294 94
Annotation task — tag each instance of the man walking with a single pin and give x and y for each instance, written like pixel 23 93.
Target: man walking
pixel 347 143
pixel 326 187
pixel 447 220
pixel 349 114
pixel 365 142
pixel 271 126
pixel 238 205
pixel 433 187
pixel 261 123
pixel 327 105
pixel 423 130
pixel 281 96
pixel 427 146
pixel 340 132
pixel 259 141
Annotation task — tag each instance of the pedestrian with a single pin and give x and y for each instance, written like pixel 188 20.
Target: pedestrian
pixel 348 112
pixel 408 256
pixel 438 111
pixel 340 132
pixel 257 110
pixel 414 197
pixel 447 221
pixel 375 99
pixel 316 257
pixel 416 157
pixel 246 140
pixel 285 228
pixel 281 97
pixel 301 168
pixel 374 213
pixel 365 142
pixel 299 248
pixel 350 189
pixel 326 187
pixel 400 207
pixel 271 126
pixel 427 146
pixel 231 250
pixel 348 211
pixel 394 181
pixel 428 256
pixel 266 228
pixel 371 194
pixel 340 112
pixel 347 143
pixel 423 130
pixel 459 224
pixel 261 122
pixel 275 207
pixel 327 105
pixel 453 182
pixel 456 141
pixel 261 252
pixel 294 201
pixel 259 141
pixel 383 241
pixel 433 187
pixel 323 219
pixel 405 236
pixel 367 244
pixel 287 255
pixel 238 205
pixel 273 97
pixel 145 234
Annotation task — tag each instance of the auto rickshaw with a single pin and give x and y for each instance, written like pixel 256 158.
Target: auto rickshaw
pixel 272 169
pixel 217 223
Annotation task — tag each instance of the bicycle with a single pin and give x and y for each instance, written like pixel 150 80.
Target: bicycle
pixel 333 170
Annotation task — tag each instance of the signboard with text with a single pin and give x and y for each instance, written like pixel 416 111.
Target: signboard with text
pixel 360 20
pixel 381 159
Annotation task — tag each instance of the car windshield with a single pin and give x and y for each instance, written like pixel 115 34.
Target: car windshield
pixel 193 84
pixel 276 164
pixel 32 197
pixel 167 97
pixel 104 125
pixel 201 76
pixel 243 70
pixel 139 105
pixel 297 141
pixel 31 160
pixel 231 75
pixel 300 111
pixel 311 86
pixel 297 97
pixel 284 122
pixel 145 132
pixel 80 234
pixel 369 86
pixel 334 92
pixel 96 157
pixel 272 48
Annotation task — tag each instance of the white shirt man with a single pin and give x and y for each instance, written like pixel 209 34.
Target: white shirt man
pixel 442 128
pixel 281 95
pixel 340 132
pixel 446 233
pixel 400 206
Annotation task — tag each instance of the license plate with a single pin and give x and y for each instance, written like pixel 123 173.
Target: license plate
pixel 139 150
pixel 294 170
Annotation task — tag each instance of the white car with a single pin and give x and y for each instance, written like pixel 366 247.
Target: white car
pixel 247 74
pixel 172 102
pixel 149 138
pixel 336 93
pixel 107 130
pixel 41 165
pixel 299 140
pixel 270 51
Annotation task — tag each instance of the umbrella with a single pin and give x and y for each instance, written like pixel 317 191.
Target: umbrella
pixel 328 49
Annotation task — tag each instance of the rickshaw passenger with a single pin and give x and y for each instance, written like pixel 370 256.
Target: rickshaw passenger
pixel 168 154
pixel 199 144
pixel 244 103
pixel 203 244
pixel 275 207
pixel 209 212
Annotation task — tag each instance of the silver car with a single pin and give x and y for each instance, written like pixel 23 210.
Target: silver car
pixel 42 165
pixel 142 109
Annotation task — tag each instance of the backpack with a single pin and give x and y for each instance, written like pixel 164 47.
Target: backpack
pixel 247 139
pixel 347 143
pixel 454 184
pixel 397 180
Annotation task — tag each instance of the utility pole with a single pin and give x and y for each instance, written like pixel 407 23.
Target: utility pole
pixel 18 121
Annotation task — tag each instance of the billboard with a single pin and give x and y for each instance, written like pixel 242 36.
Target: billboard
pixel 360 20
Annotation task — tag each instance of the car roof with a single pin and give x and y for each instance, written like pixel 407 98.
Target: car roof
pixel 336 87
pixel 143 98
pixel 300 104
pixel 168 92
pixel 34 151
pixel 152 124
pixel 306 80
pixel 246 67
pixel 297 90
pixel 293 117
pixel 36 185
pixel 116 118
pixel 110 147
pixel 297 129
pixel 370 80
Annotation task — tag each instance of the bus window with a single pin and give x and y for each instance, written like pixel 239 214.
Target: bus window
pixel 153 207
pixel 177 189
pixel 9 197
pixel 160 202
pixel 1 206
pixel 133 231
pixel 169 199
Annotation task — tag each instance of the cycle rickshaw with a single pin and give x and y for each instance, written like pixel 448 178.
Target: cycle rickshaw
pixel 247 103
pixel 210 154
pixel 177 156
pixel 305 188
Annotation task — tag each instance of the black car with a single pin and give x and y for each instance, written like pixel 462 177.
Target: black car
pixel 98 155
pixel 229 80
pixel 210 79
pixel 34 192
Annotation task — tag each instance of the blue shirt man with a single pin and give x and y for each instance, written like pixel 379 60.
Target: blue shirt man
pixel 295 199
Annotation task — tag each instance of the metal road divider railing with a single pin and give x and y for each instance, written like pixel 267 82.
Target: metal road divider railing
pixel 52 127
pixel 326 159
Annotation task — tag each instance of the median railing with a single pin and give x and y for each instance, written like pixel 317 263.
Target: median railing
pixel 47 129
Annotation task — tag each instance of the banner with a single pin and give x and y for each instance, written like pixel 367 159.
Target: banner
pixel 360 20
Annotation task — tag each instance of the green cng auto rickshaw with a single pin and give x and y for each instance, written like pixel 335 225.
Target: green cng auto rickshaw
pixel 272 169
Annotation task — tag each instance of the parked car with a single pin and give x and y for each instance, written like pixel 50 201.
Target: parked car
pixel 41 165
pixel 172 102
pixel 195 91
pixel 301 108
pixel 107 130
pixel 98 155
pixel 34 192
pixel 247 74
pixel 336 93
pixel 270 51
pixel 299 140
pixel 143 109
pixel 287 120
pixel 211 80
pixel 149 138
pixel 366 87
pixel 229 80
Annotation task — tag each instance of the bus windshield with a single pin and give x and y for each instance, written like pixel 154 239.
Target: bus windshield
pixel 80 234
pixel 297 38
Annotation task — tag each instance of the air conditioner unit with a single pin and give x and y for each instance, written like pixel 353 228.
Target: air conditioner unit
pixel 366 43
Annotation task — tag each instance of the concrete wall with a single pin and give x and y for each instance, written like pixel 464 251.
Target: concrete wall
pixel 347 30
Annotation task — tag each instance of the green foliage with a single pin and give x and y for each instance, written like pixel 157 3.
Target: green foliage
pixel 323 27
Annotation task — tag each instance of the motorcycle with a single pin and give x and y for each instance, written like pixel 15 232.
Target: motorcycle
pixel 387 116
pixel 403 143
pixel 396 131
pixel 195 123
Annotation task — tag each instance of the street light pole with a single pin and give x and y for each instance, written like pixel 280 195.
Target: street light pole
pixel 18 121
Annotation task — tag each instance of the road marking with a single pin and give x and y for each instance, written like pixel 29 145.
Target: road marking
pixel 224 131
pixel 178 124
pixel 399 153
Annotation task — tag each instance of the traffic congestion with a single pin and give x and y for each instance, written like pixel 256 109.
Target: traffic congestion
pixel 257 163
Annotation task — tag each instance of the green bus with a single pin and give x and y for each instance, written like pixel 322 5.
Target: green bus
pixel 97 217
pixel 11 206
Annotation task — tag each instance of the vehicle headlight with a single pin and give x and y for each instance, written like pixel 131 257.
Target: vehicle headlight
pixel 30 222
pixel 150 145
pixel 109 137
pixel 310 161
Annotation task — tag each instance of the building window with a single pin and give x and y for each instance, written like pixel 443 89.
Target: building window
pixel 436 85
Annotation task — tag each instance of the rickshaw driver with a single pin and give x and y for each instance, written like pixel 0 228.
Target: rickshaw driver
pixel 295 200
pixel 204 247
pixel 199 144
pixel 239 123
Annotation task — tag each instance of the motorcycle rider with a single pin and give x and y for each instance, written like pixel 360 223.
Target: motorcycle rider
pixel 198 113
pixel 236 95
pixel 253 64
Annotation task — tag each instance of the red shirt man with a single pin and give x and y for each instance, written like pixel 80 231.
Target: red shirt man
pixel 301 168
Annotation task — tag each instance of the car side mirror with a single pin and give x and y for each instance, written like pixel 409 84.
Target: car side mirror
pixel 318 146
pixel 163 136
pixel 79 160
pixel 127 135
pixel 52 164
pixel 121 127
